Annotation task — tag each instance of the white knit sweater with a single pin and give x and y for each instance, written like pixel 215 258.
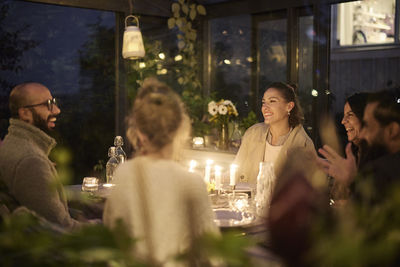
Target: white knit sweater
pixel 177 204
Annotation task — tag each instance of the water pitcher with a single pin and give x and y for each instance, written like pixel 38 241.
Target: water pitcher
pixel 264 189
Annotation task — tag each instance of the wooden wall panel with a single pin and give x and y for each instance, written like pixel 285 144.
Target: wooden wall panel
pixel 364 74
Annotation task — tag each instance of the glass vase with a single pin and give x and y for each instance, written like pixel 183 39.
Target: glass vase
pixel 223 137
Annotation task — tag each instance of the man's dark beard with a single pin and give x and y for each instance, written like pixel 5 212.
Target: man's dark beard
pixel 41 123
pixel 371 152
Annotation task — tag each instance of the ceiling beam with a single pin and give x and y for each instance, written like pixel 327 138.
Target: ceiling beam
pixel 160 8
pixel 241 7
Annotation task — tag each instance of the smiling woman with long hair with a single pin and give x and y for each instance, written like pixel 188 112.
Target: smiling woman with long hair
pixel 353 113
pixel 272 139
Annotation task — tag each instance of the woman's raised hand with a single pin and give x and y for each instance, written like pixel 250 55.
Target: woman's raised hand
pixel 342 169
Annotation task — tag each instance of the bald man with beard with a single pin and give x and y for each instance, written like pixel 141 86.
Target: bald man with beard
pixel 25 168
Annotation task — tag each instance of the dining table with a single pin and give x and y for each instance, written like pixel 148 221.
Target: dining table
pixel 227 219
pixel 91 204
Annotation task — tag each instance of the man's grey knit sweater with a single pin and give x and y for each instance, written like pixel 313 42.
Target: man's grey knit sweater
pixel 30 175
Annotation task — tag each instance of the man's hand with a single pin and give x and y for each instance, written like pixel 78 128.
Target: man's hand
pixel 342 169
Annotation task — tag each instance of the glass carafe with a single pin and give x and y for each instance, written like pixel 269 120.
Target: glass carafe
pixel 120 153
pixel 264 189
pixel 111 165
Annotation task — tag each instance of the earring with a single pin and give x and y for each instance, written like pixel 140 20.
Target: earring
pixel 288 113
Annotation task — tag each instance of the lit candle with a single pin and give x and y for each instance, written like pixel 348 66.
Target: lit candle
pixel 232 175
pixel 207 172
pixel 218 177
pixel 192 165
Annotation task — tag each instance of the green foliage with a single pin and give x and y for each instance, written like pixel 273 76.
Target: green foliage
pixel 26 240
pixel 201 128
pixel 183 71
pixel 360 234
pixel 138 70
pixel 185 19
pixel 248 121
pixel 231 248
pixel 62 156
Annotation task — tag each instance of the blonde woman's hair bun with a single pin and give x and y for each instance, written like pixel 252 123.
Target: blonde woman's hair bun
pixel 158 113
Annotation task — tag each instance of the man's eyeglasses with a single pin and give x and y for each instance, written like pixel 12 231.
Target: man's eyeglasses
pixel 49 103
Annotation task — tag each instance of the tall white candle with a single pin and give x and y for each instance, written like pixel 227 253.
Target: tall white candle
pixel 207 171
pixel 192 165
pixel 217 177
pixel 232 175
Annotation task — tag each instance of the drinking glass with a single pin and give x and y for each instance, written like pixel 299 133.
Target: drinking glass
pixel 239 202
pixel 90 184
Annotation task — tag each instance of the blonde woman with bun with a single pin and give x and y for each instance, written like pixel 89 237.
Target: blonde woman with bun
pixel 162 204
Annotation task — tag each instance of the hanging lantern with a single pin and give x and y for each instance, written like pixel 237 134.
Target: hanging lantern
pixel 132 47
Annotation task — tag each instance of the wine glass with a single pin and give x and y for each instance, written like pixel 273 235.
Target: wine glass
pixel 239 202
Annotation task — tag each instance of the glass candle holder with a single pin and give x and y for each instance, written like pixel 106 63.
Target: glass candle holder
pixel 90 184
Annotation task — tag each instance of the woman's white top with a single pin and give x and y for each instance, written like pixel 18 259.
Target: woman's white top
pixel 271 152
pixel 177 203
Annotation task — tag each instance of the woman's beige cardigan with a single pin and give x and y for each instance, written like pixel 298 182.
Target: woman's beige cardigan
pixel 251 152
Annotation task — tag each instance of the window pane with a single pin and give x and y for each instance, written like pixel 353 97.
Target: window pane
pixel 71 51
pixel 272 42
pixel 365 22
pixel 231 61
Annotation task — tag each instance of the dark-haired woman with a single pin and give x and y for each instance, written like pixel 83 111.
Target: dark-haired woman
pixel 273 139
pixel 353 113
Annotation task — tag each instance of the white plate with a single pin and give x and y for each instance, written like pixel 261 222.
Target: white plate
pixel 230 218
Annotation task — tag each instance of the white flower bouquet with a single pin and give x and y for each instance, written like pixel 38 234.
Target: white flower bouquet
pixel 222 111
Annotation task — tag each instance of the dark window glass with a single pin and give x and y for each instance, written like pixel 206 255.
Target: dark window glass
pixel 272 42
pixel 231 60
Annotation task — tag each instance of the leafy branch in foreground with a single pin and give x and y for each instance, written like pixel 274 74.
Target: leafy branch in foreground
pixel 360 234
pixel 28 240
